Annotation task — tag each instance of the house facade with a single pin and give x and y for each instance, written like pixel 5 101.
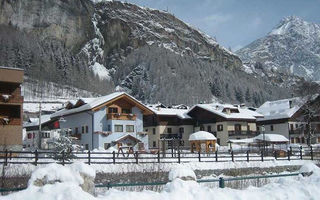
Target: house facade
pixel 11 103
pixel 284 117
pixel 103 122
pixel 167 124
pixel 225 121
pixel 50 130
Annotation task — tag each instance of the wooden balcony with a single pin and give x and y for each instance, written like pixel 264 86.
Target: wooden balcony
pixel 239 133
pixel 6 98
pixel 121 116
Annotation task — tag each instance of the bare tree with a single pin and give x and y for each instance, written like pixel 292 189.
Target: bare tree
pixel 310 106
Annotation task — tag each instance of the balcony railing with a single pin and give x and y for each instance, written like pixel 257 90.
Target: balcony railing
pixel 121 116
pixel 171 136
pixel 297 131
pixel 7 98
pixel 238 133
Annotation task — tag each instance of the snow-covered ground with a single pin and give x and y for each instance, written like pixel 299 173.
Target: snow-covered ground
pixel 59 187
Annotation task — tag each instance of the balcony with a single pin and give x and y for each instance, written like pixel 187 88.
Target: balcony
pixel 297 132
pixel 121 116
pixel 7 98
pixel 239 133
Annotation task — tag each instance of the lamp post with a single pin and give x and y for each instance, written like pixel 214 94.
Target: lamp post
pixel 62 120
pixel 264 139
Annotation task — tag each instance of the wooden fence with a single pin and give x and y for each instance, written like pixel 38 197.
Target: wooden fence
pixel 91 157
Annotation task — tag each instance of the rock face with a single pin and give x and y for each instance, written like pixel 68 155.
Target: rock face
pixel 293 46
pixel 113 45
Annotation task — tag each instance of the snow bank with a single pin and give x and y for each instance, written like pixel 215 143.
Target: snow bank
pixel 183 173
pixel 310 169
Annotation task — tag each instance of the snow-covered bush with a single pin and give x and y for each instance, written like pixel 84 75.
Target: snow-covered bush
pixel 183 173
pixel 63 148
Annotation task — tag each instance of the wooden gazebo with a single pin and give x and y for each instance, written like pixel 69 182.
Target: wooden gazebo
pixel 202 141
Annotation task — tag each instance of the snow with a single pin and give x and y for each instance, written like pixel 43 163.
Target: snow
pixel 181 113
pixel 181 172
pixel 202 135
pixel 217 108
pixel 310 168
pixel 279 109
pixel 272 138
pixel 35 122
pixel 100 70
pixel 286 188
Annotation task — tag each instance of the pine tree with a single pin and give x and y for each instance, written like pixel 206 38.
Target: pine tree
pixel 248 95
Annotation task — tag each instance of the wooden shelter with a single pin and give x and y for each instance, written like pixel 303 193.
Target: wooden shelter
pixel 202 141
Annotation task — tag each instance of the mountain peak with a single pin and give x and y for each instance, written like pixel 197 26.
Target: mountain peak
pixel 287 24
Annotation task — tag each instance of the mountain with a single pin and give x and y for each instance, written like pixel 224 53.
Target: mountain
pixel 104 46
pixel 293 46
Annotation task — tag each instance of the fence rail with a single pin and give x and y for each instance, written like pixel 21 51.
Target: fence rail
pixel 91 157
pixel 221 181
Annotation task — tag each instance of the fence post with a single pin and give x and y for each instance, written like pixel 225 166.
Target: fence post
pixel 114 157
pixel 232 157
pixel 36 157
pixel 288 152
pixel 247 156
pixel 275 155
pixel 311 152
pixel 6 158
pixel 89 157
pixel 221 182
pixel 216 155
pixel 300 152
pixel 159 156
pixel 10 155
pixel 137 155
pixel 63 157
pixel 262 156
pixel 199 156
pixel 179 157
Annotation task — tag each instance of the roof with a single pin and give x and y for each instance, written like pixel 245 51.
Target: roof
pixel 272 138
pixel 280 109
pixel 114 137
pixel 181 113
pixel 14 68
pixel 91 103
pixel 219 109
pixel 202 135
pixel 35 121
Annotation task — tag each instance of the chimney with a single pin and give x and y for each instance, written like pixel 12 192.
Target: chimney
pixel 290 103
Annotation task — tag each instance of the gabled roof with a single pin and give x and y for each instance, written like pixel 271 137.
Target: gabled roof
pixel 95 103
pixel 236 112
pixel 280 109
pixel 35 121
pixel 181 113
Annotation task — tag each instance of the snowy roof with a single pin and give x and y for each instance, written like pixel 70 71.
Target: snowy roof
pixel 181 113
pixel 280 109
pixel 91 103
pixel 35 121
pixel 117 136
pixel 236 111
pixel 267 137
pixel 202 135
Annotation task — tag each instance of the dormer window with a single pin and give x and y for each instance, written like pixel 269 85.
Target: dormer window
pixel 112 110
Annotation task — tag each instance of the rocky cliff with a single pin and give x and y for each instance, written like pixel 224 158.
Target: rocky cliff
pixel 105 46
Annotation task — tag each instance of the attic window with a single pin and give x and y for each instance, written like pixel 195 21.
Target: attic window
pixel 112 110
pixel 126 110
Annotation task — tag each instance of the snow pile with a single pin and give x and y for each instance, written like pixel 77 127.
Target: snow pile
pixel 309 169
pixel 202 135
pixel 183 173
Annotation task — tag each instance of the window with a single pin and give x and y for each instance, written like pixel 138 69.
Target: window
pixel 298 140
pixel 126 110
pixel 201 128
pixel 297 125
pixel 218 141
pixel 258 128
pixel 248 128
pixel 169 130
pixel 220 127
pixel 87 129
pixel 34 135
pixel 154 144
pixel 76 130
pixel 112 110
pixel 87 146
pixel 106 145
pixel 109 127
pixel 118 128
pixel 181 130
pixel 154 131
pixel 318 139
pixel 82 129
pixel 129 128
pixel 271 127
pixel 29 135
pixel 292 140
pixel 237 127
pixel 291 127
pixel 302 140
pixel 209 128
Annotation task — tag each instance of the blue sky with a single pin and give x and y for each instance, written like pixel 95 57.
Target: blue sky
pixel 236 23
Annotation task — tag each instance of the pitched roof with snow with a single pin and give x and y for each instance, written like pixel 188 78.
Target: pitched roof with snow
pixel 202 135
pixel 280 109
pixel 35 121
pixel 90 103
pixel 273 138
pixel 181 113
pixel 236 112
